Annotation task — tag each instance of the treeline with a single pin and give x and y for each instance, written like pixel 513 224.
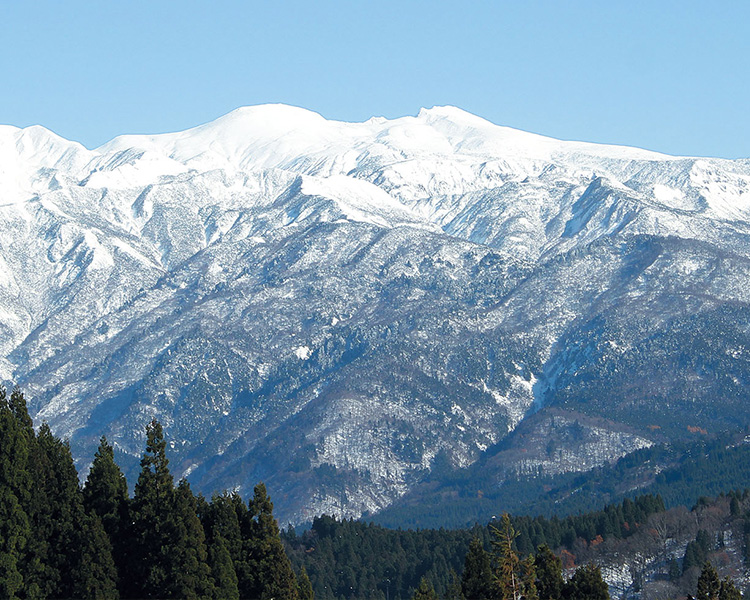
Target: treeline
pixel 666 552
pixel 58 540
pixel 614 521
pixel 679 471
pixel 707 466
pixel 502 575
pixel 352 559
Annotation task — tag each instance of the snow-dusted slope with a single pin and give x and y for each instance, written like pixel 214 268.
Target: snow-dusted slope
pixel 364 296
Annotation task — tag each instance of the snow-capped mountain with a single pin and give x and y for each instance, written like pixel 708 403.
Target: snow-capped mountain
pixel 333 307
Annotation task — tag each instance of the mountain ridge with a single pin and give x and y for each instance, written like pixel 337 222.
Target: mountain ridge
pixel 331 307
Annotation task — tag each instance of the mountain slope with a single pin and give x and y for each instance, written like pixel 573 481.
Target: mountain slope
pixel 332 307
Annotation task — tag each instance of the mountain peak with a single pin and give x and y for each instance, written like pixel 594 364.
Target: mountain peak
pixel 451 113
pixel 266 115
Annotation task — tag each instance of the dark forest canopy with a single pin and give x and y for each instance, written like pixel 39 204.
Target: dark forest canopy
pixel 58 540
pixel 352 559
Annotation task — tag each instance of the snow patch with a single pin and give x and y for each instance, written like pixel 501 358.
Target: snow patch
pixel 303 352
pixel 670 196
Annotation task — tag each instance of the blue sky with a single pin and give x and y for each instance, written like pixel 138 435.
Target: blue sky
pixel 667 76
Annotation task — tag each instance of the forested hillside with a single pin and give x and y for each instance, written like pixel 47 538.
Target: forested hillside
pixel 351 559
pixel 58 540
pixel 679 472
pixel 641 550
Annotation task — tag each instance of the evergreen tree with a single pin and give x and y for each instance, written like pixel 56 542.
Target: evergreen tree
pixel 16 438
pixel 425 591
pixel 269 573
pixel 709 585
pixel 234 517
pixel 696 552
pixel 476 580
pixel 674 570
pixel 106 491
pixel 528 579
pixel 20 411
pixel 221 522
pixel 14 532
pixel 168 556
pixel 95 575
pixel 147 567
pixel 106 495
pixel 549 581
pixel 586 584
pixel 304 587
pixel 65 555
pixel 728 591
pixel 222 570
pixel 56 512
pixel 507 577
pixel 221 518
pixel 188 572
pixel 453 591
